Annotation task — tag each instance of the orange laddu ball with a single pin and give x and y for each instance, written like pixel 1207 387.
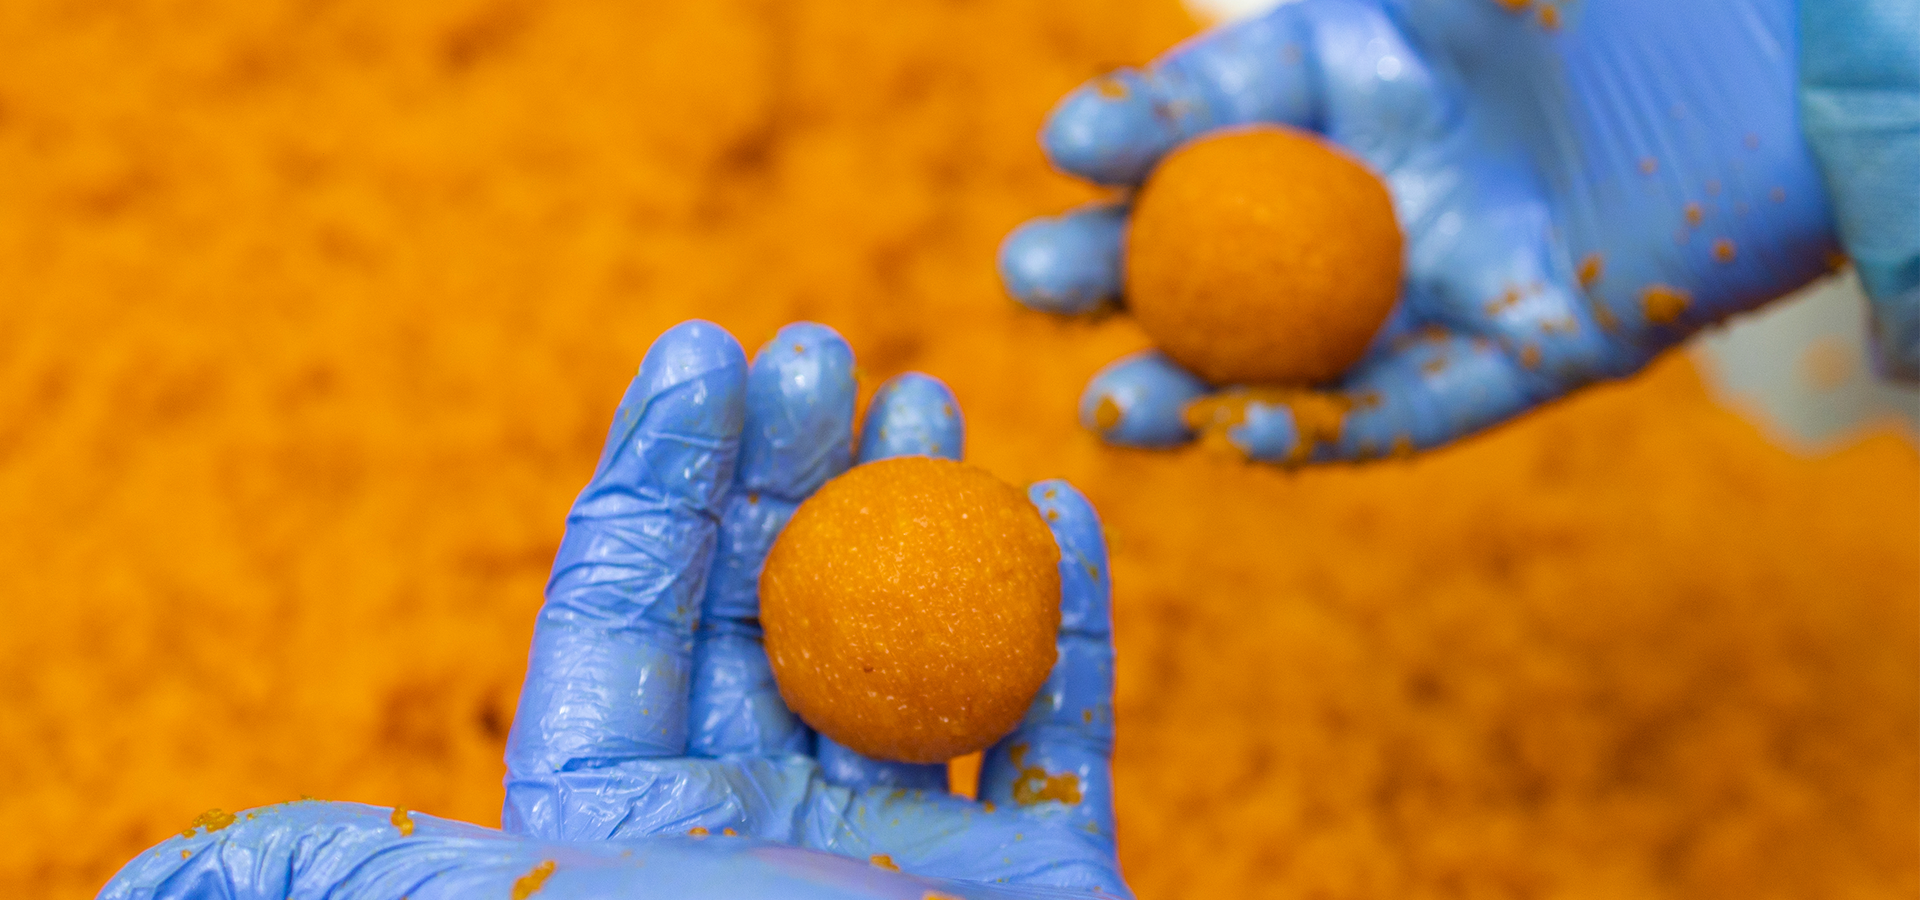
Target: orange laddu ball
pixel 1262 255
pixel 911 607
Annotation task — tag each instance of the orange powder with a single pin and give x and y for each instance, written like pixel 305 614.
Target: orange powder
pixel 911 607
pixel 313 315
pixel 1262 255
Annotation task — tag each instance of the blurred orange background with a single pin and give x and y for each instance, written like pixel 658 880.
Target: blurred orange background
pixel 313 314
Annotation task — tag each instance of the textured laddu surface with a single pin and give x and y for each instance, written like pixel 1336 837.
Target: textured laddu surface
pixel 311 315
pixel 1263 255
pixel 911 608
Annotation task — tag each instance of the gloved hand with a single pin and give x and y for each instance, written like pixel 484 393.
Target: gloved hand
pixel 1581 185
pixel 651 755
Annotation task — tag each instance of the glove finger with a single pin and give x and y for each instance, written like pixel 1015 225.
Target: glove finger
pixel 1066 264
pixel 911 415
pixel 783 800
pixel 798 434
pixel 844 766
pixel 608 673
pixel 1063 750
pixel 1114 128
pixel 1375 94
pixel 1337 66
pixel 312 849
pixel 757 796
pixel 1139 401
pixel 1425 393
pixel 800 398
pixel 943 836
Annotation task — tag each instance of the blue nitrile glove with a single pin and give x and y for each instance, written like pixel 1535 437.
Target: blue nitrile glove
pixel 651 755
pixel 1860 103
pixel 1581 184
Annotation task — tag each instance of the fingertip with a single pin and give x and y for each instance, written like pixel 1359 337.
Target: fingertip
pixel 690 350
pixel 912 415
pixel 1110 130
pixel 803 349
pixel 799 417
pixel 1066 264
pixel 696 354
pixel 1140 401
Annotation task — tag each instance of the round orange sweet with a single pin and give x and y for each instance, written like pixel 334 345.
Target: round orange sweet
pixel 911 607
pixel 1262 255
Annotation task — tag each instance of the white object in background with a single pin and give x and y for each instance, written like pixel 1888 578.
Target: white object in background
pixel 1799 368
pixel 1211 12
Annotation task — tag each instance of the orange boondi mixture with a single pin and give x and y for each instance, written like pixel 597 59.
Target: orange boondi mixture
pixel 911 607
pixel 313 316
pixel 1262 255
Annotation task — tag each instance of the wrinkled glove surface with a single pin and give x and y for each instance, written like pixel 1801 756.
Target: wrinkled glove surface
pixel 651 755
pixel 1581 185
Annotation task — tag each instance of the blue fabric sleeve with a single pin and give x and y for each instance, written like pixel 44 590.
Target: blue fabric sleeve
pixel 1860 108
